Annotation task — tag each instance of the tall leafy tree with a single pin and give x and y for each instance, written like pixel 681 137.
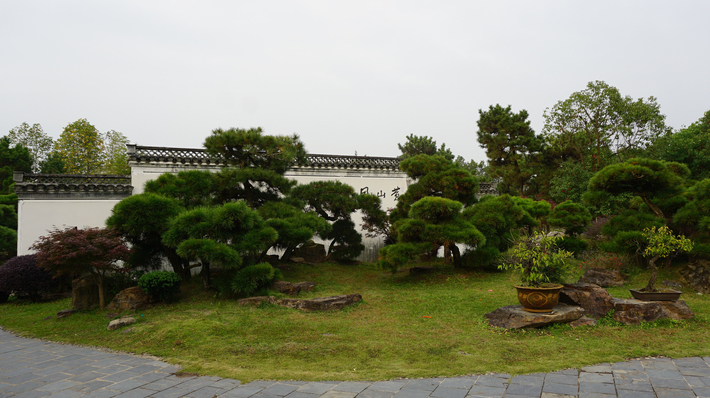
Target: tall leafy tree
pixel 512 148
pixel 81 147
pixel 8 226
pixel 600 126
pixel 33 138
pixel 690 145
pixel 115 153
pixel 257 164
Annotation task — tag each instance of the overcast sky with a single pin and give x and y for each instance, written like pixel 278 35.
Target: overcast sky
pixel 347 76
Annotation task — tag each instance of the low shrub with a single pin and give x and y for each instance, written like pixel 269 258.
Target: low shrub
pixel 573 244
pixel 160 285
pixel 21 276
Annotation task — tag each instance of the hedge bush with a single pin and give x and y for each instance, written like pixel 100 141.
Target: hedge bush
pixel 21 276
pixel 160 285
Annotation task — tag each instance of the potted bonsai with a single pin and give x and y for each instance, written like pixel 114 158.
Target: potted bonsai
pixel 661 244
pixel 542 266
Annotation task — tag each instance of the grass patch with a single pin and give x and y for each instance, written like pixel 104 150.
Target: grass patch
pixel 424 326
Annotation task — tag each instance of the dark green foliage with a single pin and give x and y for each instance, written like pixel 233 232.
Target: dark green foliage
pixel 537 209
pixel 251 279
pixel 21 276
pixel 393 257
pixel 142 220
pixel 572 244
pixel 690 146
pixel 694 217
pixel 54 164
pixel 511 146
pixel 12 158
pixel 335 202
pixel 423 145
pixel 499 219
pixel 160 285
pixel 648 179
pixel 436 176
pixel 8 226
pixel 294 227
pixel 375 221
pixel 190 188
pixel 437 222
pixel 571 216
pixel 626 231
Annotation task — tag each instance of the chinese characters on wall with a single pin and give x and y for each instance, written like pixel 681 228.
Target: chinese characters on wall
pixel 381 193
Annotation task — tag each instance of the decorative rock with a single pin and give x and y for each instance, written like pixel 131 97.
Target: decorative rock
pixel 292 289
pixel 583 321
pixel 64 313
pixel 595 300
pixel 111 315
pixel 633 312
pixel 672 284
pixel 253 300
pixel 515 317
pixel 305 286
pixel 131 299
pixel 117 323
pixel 84 293
pixel 422 269
pixel 311 252
pixel 317 304
pixel 602 277
pixel 697 275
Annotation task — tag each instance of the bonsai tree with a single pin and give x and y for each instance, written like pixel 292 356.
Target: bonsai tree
pixel 96 251
pixel 538 259
pixel 661 244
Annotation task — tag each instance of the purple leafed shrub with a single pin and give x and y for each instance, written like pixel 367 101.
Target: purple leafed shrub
pixel 20 275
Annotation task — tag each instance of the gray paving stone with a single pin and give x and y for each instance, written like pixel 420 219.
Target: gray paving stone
pixel 698 372
pixel 91 386
pixel 631 365
pixel 463 383
pixel 47 364
pixel 126 385
pixel 52 370
pixel 24 387
pixel 260 395
pixel 162 384
pixel 391 386
pixel 554 395
pixel 172 392
pixel 280 389
pixel 199 382
pixel 66 394
pixel 21 378
pixel 599 368
pixel 351 386
pixel 479 391
pixel 58 386
pixel 600 388
pixel 136 393
pixel 407 393
pixel 492 381
pixel 698 381
pixel 32 394
pixel 635 385
pixel 596 377
pixel 702 391
pixel 446 392
pixel 527 379
pixel 566 389
pixel 243 392
pixel 86 377
pixel 297 394
pixel 524 389
pixel 338 394
pixel 587 394
pixel 673 393
pixel 204 392
pixel 659 364
pixel 315 388
pixel 143 369
pixel 227 384
pixel 691 362
pixel 635 394
pixel 370 393
pixel 664 374
pixel 561 379
pixel 670 383
pixel 423 384
pixel 629 375
pixel 102 393
pixel 150 377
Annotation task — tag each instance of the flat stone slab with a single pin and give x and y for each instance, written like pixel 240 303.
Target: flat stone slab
pixel 515 317
pixel 317 304
pixel 633 312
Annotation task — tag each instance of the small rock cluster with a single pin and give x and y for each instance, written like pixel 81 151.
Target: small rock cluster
pixel 332 303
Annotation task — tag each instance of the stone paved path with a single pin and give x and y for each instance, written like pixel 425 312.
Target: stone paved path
pixel 35 369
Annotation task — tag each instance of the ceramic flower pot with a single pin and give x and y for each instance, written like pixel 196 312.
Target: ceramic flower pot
pixel 539 299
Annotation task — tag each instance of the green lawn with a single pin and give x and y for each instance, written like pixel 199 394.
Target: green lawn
pixel 405 327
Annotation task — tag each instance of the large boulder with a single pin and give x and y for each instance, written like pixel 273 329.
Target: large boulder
pixel 131 299
pixel 633 312
pixel 697 275
pixel 292 289
pixel 84 293
pixel 515 317
pixel 595 300
pixel 310 252
pixel 602 277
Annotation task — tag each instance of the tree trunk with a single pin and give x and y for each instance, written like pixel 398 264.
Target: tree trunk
pixel 655 209
pixel 100 282
pixel 456 255
pixel 177 263
pixel 654 275
pixel 205 274
pixel 447 253
pixel 287 254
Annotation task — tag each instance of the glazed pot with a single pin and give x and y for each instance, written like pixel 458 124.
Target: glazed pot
pixel 539 299
pixel 669 295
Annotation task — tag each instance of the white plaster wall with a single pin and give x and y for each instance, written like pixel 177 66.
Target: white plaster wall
pixel 38 217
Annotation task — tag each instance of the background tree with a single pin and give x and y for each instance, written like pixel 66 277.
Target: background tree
pixel 694 218
pixel 334 201
pixel 574 218
pixel 33 138
pixel 115 154
pixel 94 250
pixel 12 158
pixel 294 227
pixel 81 147
pixel 434 222
pixel 21 276
pixel 690 146
pixel 8 226
pixel 53 164
pixel 191 188
pixel 423 145
pixel 512 148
